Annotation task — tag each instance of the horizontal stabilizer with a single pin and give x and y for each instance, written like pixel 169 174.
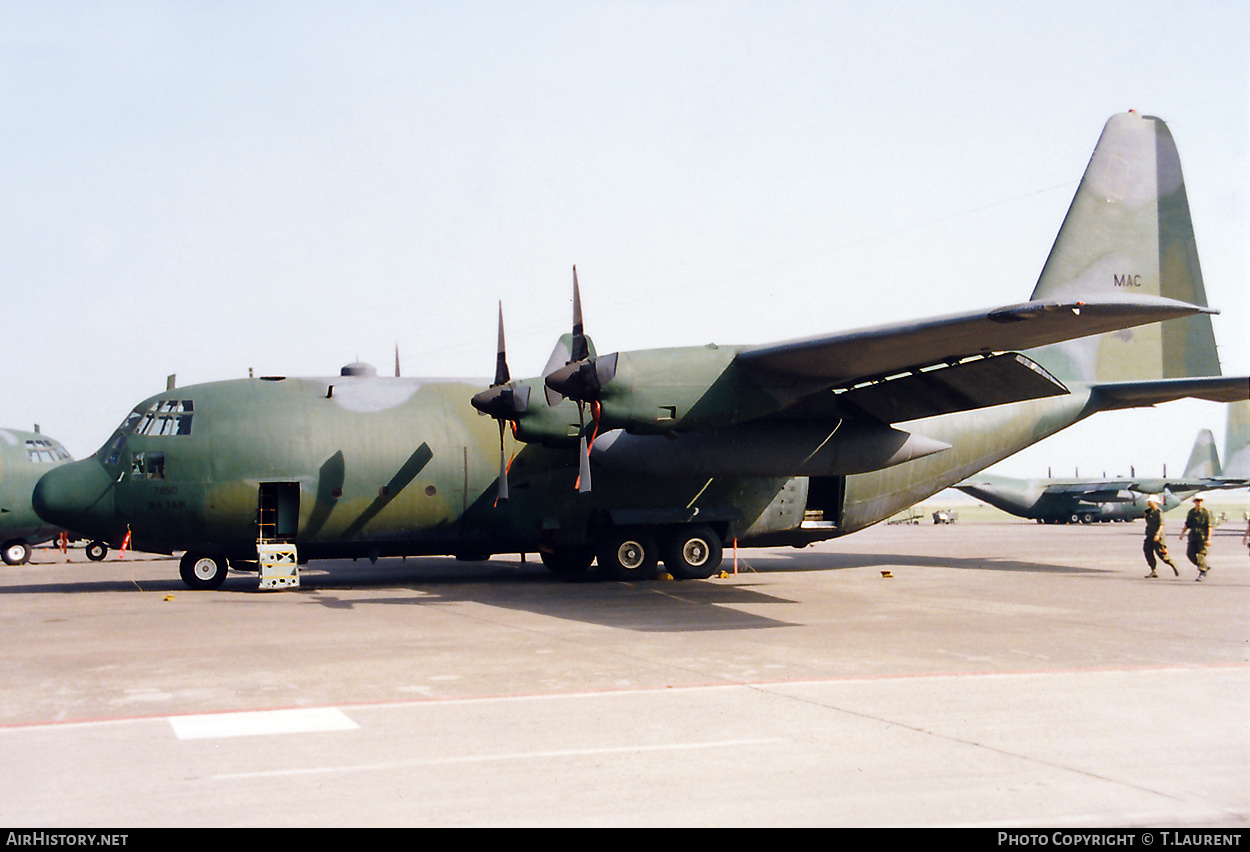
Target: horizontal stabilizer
pixel 1113 395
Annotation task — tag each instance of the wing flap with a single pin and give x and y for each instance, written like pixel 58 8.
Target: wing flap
pixel 968 385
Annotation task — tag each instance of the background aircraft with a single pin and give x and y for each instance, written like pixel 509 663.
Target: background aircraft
pixel 689 448
pixel 1061 501
pixel 24 457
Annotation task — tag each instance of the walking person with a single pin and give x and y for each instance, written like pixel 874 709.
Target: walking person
pixel 1198 528
pixel 1153 545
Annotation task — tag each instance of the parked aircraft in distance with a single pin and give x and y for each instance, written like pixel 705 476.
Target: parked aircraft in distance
pixel 24 457
pixel 690 448
pixel 1086 500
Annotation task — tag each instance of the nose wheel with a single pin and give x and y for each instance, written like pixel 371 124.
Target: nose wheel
pixel 16 553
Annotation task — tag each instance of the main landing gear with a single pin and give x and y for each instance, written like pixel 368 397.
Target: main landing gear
pixel 635 553
pixel 202 571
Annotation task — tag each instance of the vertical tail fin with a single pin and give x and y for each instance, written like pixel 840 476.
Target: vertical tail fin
pixel 1203 460
pixel 1129 231
pixel 1237 440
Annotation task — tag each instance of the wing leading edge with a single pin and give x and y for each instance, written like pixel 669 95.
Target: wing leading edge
pixel 892 348
pixel 959 362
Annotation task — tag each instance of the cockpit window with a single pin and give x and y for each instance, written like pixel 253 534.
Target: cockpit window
pixel 43 452
pixel 164 417
pixel 147 466
pixel 114 447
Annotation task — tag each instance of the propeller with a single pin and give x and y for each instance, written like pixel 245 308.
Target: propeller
pixel 503 401
pixel 580 381
pixel 582 377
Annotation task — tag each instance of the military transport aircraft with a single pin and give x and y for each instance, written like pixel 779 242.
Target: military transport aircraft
pixel 1062 501
pixel 24 457
pixel 690 448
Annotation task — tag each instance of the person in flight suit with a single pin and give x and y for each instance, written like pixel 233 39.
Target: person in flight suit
pixel 1154 538
pixel 1198 528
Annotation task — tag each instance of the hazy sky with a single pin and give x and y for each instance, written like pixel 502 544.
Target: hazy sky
pixel 201 188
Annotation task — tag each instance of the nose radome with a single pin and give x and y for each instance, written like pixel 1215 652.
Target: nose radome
pixel 77 496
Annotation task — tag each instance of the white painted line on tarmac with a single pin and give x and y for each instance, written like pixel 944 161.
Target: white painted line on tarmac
pixel 486 758
pixel 256 723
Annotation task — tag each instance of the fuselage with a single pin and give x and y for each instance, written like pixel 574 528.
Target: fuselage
pixel 1054 501
pixel 370 466
pixel 24 458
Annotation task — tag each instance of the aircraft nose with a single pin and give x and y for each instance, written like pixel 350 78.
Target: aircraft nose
pixel 77 496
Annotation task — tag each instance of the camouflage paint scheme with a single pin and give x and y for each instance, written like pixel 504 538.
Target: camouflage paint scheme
pixel 786 443
pixel 24 458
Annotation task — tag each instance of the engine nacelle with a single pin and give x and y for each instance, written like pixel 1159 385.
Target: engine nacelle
pixel 660 391
pixel 765 449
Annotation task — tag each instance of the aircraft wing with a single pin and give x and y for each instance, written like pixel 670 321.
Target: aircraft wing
pixel 886 349
pixel 905 371
pixel 1106 490
pixel 1219 483
pixel 1108 486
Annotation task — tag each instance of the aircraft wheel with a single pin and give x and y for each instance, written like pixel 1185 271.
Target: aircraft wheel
pixel 97 550
pixel 16 553
pixel 628 554
pixel 692 553
pixel 568 563
pixel 201 571
pixel 1087 518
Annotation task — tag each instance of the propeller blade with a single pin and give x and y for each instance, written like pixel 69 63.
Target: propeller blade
pixel 503 468
pixel 502 377
pixel 580 351
pixel 583 468
pixel 585 445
